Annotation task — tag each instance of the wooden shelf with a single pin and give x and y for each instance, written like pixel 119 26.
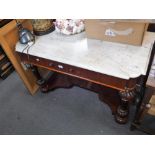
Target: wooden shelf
pixel 8 39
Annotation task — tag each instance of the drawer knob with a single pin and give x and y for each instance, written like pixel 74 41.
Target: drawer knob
pixel 37 59
pixel 60 66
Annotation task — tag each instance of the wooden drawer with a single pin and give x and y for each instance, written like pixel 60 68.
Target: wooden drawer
pixel 52 65
pixel 85 74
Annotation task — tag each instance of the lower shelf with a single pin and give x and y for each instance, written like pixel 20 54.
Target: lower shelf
pixel 7 72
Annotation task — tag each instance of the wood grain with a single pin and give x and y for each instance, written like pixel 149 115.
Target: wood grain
pixel 8 40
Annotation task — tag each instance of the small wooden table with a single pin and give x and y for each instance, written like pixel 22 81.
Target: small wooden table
pixel 92 64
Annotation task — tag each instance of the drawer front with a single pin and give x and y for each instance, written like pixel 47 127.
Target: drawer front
pixel 52 65
pixel 85 74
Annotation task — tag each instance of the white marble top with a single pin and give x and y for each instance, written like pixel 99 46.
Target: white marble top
pixel 114 59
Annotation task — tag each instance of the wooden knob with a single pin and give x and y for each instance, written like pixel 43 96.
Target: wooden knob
pixel 60 66
pixel 37 59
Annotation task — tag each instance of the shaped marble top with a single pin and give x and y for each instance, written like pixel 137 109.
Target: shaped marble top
pixel 114 59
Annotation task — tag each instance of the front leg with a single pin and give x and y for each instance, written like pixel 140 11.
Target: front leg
pixel 123 109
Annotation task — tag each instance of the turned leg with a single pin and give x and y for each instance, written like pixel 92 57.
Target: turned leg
pixel 122 112
pixel 40 81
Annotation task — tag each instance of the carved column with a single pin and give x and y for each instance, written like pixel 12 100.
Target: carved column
pixel 123 109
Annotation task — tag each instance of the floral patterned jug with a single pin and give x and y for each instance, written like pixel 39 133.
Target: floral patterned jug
pixel 69 26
